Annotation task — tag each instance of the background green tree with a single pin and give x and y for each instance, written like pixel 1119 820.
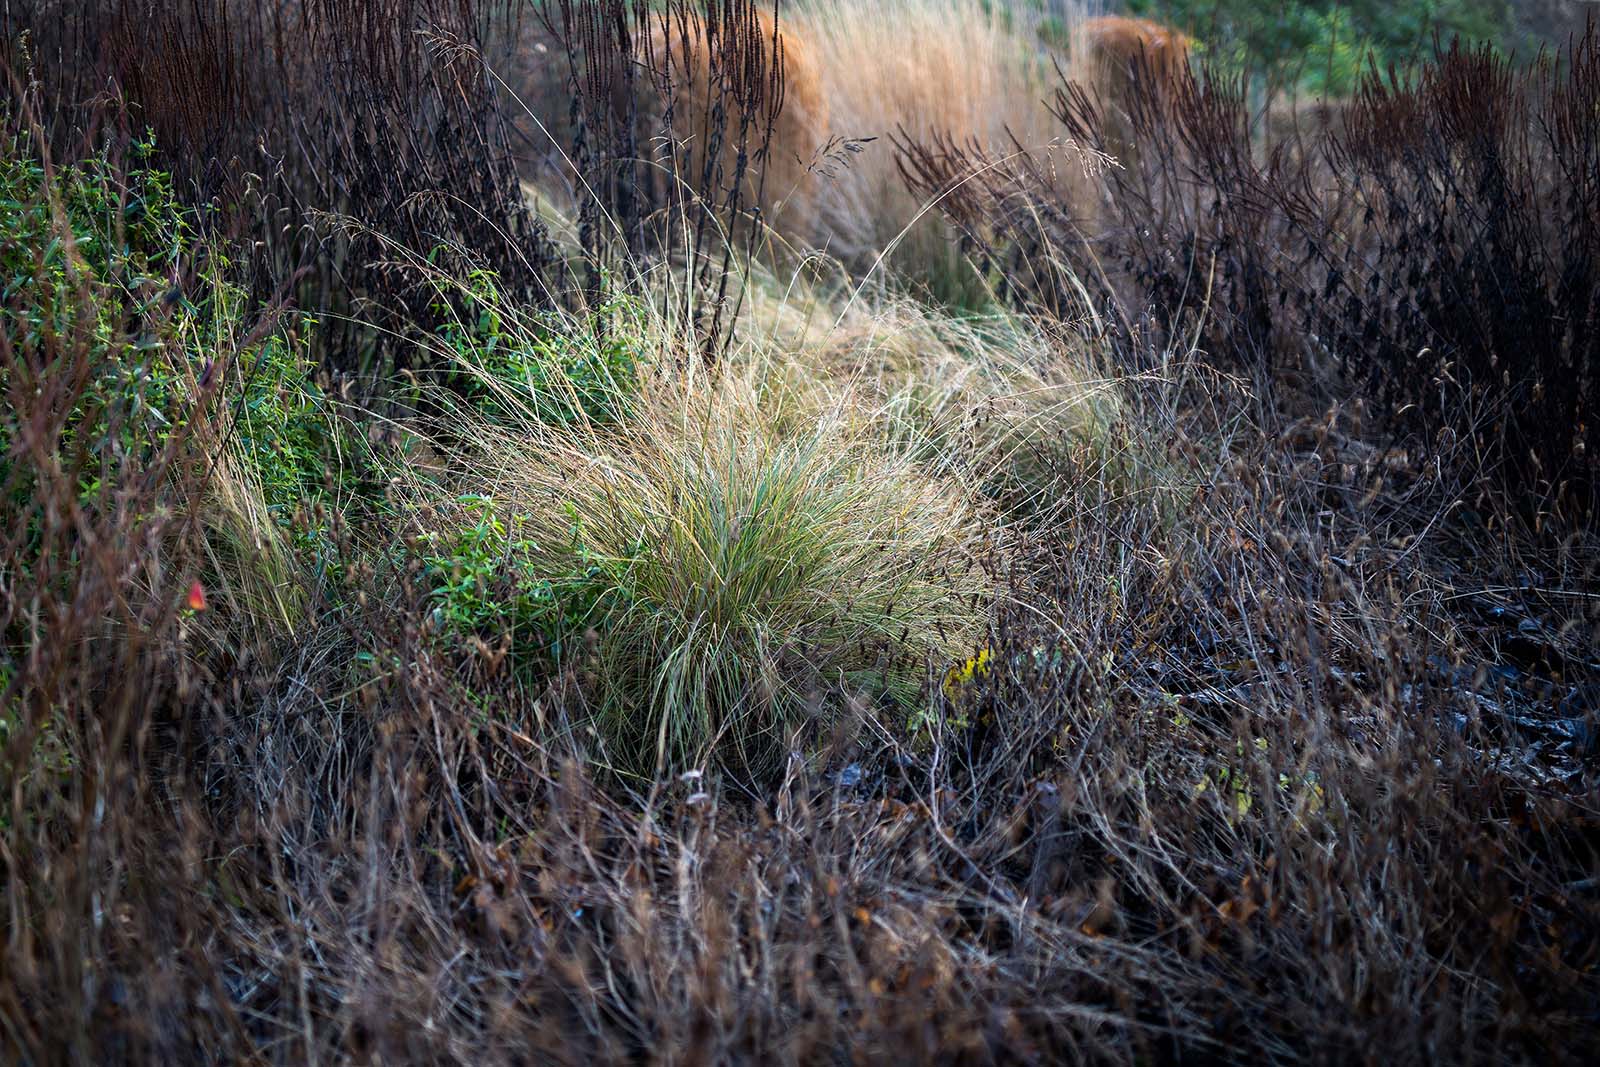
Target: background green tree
pixel 1322 46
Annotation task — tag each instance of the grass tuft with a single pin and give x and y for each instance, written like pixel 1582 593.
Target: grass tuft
pixel 725 583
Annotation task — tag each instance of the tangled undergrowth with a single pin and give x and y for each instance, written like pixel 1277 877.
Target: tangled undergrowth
pixel 862 680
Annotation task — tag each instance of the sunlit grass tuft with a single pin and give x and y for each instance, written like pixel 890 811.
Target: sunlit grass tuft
pixel 744 580
pixel 719 574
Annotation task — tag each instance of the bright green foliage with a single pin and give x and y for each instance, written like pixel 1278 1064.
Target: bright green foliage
pixel 1323 46
pixel 118 251
pixel 281 426
pixel 483 582
pixel 465 571
pixel 64 245
pixel 521 363
pixel 127 220
pixel 122 328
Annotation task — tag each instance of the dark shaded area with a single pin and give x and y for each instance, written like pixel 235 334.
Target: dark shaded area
pixel 1428 248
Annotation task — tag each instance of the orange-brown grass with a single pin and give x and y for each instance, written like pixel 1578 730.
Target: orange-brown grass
pixel 928 66
pixel 1113 56
pixel 672 96
pixel 855 74
pixel 1115 48
pixel 780 181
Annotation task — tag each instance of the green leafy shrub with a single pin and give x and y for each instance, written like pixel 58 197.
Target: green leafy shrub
pixel 483 582
pixel 1323 47
pixel 123 323
pixel 122 230
pixel 85 224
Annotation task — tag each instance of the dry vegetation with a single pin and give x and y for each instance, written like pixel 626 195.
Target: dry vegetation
pixel 466 601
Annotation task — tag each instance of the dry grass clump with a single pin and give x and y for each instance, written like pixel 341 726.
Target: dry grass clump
pixel 1009 402
pixel 726 583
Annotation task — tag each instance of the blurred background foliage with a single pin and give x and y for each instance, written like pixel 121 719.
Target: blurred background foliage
pixel 1321 47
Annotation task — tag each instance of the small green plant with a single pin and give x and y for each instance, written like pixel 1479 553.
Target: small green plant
pixel 467 566
pixel 518 363
pixel 483 582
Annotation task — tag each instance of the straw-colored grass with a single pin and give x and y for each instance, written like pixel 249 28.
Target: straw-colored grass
pixel 975 71
pixel 730 560
pixel 720 581
pixel 1001 400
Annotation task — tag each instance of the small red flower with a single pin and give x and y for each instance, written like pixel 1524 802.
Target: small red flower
pixel 197 596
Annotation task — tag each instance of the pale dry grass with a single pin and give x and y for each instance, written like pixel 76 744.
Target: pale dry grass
pixel 1000 400
pixel 746 556
pixel 956 67
pixel 729 585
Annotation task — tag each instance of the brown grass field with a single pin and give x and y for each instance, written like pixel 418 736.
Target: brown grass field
pixel 921 531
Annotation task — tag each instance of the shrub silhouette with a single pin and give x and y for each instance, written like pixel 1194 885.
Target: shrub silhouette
pixel 1432 248
pixel 308 128
pixel 672 108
